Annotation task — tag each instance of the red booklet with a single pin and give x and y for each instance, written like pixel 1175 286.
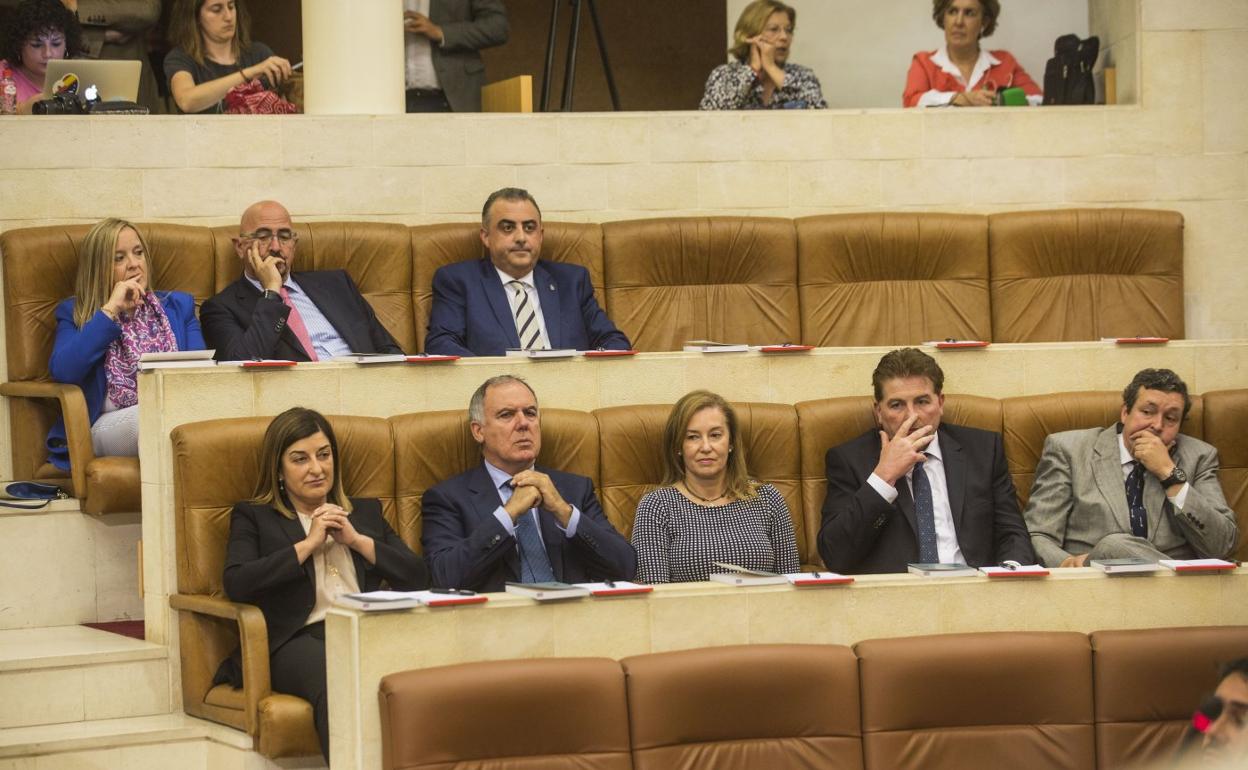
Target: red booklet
pixel 430 359
pixel 609 353
pixel 785 348
pixel 1141 340
pixel 267 363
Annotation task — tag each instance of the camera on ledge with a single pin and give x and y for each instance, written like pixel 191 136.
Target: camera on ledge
pixel 61 104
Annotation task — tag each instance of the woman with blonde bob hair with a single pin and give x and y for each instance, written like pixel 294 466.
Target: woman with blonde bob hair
pixel 760 75
pixel 114 317
pixel 709 509
pixel 300 544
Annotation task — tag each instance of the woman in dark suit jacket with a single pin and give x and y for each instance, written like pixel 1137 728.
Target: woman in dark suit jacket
pixel 301 543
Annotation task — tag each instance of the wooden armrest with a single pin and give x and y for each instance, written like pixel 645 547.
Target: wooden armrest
pixel 77 427
pixel 253 637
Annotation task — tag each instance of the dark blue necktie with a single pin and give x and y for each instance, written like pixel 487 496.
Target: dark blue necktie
pixel 1135 501
pixel 534 563
pixel 924 515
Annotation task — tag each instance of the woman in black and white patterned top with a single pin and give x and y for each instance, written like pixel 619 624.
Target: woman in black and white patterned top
pixel 709 509
pixel 760 75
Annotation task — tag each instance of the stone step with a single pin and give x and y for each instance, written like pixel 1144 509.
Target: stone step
pixel 68 674
pixel 160 742
pixel 69 567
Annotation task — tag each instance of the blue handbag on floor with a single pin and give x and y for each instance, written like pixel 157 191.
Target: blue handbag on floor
pixel 31 490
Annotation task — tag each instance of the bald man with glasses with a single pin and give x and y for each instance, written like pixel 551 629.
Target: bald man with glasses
pixel 273 312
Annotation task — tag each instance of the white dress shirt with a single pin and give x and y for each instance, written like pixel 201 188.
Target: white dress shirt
pixel 418 49
pixel 1128 464
pixel 531 288
pixel 946 537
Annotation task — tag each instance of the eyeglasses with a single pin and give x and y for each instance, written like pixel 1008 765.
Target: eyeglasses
pixel 266 236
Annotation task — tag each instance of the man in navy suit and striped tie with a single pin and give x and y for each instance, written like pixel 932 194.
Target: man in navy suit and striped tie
pixel 510 299
pixel 508 519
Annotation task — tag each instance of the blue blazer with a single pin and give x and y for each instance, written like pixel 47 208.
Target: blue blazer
pixel 466 547
pixel 471 315
pixel 78 356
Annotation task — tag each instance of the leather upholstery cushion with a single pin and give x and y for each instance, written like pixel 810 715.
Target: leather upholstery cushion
pixel 1148 683
pixel 286 727
pixel 113 485
pixel 1226 427
pixel 893 278
pixel 543 713
pixel 783 706
pixel 978 700
pixel 1084 274
pixel 729 279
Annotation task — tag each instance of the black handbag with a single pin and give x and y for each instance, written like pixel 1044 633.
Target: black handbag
pixel 1068 75
pixel 30 490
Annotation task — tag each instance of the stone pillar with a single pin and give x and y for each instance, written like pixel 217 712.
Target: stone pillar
pixel 353 57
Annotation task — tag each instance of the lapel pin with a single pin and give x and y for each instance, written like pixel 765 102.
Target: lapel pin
pixel 552 287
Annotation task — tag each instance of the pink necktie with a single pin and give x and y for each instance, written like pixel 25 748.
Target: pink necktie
pixel 295 322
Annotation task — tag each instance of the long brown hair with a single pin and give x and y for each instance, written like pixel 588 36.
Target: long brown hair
pixel 184 31
pixel 94 283
pixel 736 474
pixel 293 425
pixel 751 22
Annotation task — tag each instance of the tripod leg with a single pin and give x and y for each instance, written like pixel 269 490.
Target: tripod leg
pixel 602 49
pixel 569 75
pixel 550 54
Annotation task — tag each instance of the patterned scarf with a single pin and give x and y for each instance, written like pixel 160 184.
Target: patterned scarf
pixel 146 330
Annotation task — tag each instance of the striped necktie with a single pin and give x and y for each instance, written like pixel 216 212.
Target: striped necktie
pixel 527 327
pixel 924 515
pixel 1135 501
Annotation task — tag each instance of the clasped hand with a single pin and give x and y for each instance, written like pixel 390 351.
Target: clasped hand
pixel 420 24
pixel 899 453
pixel 534 488
pixel 329 519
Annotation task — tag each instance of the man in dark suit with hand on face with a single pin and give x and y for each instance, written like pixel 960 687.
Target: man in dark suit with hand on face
pixel 272 312
pixel 918 489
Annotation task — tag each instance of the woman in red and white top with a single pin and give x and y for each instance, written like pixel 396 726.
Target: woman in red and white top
pixel 961 74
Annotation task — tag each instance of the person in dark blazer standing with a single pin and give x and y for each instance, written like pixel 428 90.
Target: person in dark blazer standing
pixel 510 299
pixel 271 312
pixel 509 520
pixel 880 515
pixel 301 543
pixel 443 68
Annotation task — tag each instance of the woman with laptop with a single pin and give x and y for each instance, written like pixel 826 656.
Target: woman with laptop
pixel 114 317
pixel 39 31
pixel 214 53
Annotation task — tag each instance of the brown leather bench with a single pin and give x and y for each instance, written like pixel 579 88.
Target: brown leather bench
pixel 1034 699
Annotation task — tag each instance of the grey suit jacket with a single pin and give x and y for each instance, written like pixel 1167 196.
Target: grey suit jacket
pixel 1079 497
pixel 467 27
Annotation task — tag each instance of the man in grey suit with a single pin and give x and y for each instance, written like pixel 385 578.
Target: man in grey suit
pixel 1137 489
pixel 443 69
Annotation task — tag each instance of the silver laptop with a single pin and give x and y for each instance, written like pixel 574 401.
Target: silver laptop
pixel 114 80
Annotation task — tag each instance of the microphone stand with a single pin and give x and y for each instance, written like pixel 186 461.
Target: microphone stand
pixel 569 72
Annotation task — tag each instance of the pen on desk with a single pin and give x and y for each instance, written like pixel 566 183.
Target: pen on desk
pixel 610 583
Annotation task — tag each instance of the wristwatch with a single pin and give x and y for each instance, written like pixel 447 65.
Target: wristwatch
pixel 1177 476
pixel 270 294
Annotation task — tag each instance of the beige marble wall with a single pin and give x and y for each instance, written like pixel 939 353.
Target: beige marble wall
pixel 685 616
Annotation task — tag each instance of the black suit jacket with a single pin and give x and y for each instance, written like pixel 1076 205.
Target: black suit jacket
pixel 468 548
pixel 467 27
pixel 861 533
pixel 241 325
pixel 261 567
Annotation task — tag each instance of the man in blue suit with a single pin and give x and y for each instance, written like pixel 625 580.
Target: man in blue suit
pixel 508 520
pixel 510 299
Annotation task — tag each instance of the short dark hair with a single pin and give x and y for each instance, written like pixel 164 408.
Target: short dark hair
pixel 906 362
pixel 991 9
pixel 1237 666
pixel 34 16
pixel 1156 379
pixel 513 194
